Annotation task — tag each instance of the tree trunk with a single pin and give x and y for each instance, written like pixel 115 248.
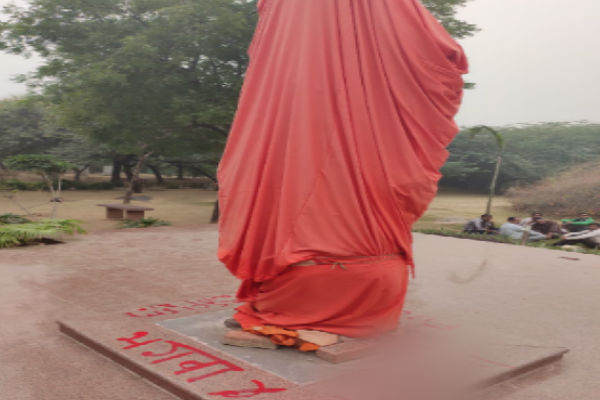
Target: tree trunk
pixel 488 209
pixel 78 173
pixel 525 237
pixel 180 171
pixel 157 174
pixel 50 185
pixel 57 199
pixel 135 177
pixel 205 173
pixel 128 172
pixel 116 172
pixel 216 213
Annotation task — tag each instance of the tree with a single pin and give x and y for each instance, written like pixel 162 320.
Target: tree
pixel 499 153
pixel 142 77
pixel 532 152
pixel 27 127
pixel 148 77
pixel 47 167
pixel 445 12
pixel 23 129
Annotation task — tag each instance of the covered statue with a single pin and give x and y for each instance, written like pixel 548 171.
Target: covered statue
pixel 336 148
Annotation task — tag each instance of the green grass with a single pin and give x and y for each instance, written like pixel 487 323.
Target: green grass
pixel 546 244
pixel 143 223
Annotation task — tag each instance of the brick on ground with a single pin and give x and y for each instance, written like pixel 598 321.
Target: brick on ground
pixel 246 339
pixel 318 337
pixel 345 351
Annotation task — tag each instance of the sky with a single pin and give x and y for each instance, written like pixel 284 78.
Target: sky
pixel 533 61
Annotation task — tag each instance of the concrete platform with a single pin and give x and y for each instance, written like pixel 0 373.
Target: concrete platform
pixel 185 357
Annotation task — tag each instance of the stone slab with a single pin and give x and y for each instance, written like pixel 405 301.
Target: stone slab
pixel 493 357
pixel 183 367
pixel 209 328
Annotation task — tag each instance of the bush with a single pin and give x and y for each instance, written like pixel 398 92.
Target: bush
pixel 22 234
pixel 12 219
pixel 67 184
pixel 143 223
pixel 15 184
pixel 567 194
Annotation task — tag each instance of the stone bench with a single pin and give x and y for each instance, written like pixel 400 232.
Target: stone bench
pixel 125 211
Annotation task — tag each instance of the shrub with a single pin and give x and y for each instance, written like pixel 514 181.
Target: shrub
pixel 566 194
pixel 12 219
pixel 143 223
pixel 22 234
pixel 68 184
pixel 15 184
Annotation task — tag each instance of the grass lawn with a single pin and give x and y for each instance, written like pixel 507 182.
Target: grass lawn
pixel 180 207
pixel 451 210
pixel 183 207
pixel 194 206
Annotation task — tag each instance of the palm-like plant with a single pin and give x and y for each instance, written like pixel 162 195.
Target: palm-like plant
pixel 500 152
pixel 20 234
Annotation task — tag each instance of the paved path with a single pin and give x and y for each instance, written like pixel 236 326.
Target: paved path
pixel 533 293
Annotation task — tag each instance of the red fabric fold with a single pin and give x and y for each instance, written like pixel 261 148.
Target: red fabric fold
pixel 341 130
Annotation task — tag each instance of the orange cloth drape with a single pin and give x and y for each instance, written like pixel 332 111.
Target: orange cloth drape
pixel 335 151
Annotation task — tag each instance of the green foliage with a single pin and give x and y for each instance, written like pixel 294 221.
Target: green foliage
pixel 21 234
pixel 22 129
pixel 139 75
pixel 483 129
pixel 12 219
pixel 470 236
pixel 39 163
pixel 15 184
pixel 445 12
pixel 567 194
pixel 143 223
pixel 27 126
pixel 546 244
pixel 531 153
pixel 68 184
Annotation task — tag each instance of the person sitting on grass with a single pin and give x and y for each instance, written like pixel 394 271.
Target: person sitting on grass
pixel 550 229
pixel 590 238
pixel 578 224
pixel 482 225
pixel 531 219
pixel 514 230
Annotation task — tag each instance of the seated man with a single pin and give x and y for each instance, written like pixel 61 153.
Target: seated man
pixel 549 228
pixel 589 238
pixel 531 219
pixel 514 230
pixel 578 224
pixel 483 225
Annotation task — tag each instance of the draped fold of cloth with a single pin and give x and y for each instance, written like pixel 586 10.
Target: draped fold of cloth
pixel 335 151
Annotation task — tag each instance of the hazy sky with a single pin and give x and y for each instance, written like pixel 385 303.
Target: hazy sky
pixel 534 60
